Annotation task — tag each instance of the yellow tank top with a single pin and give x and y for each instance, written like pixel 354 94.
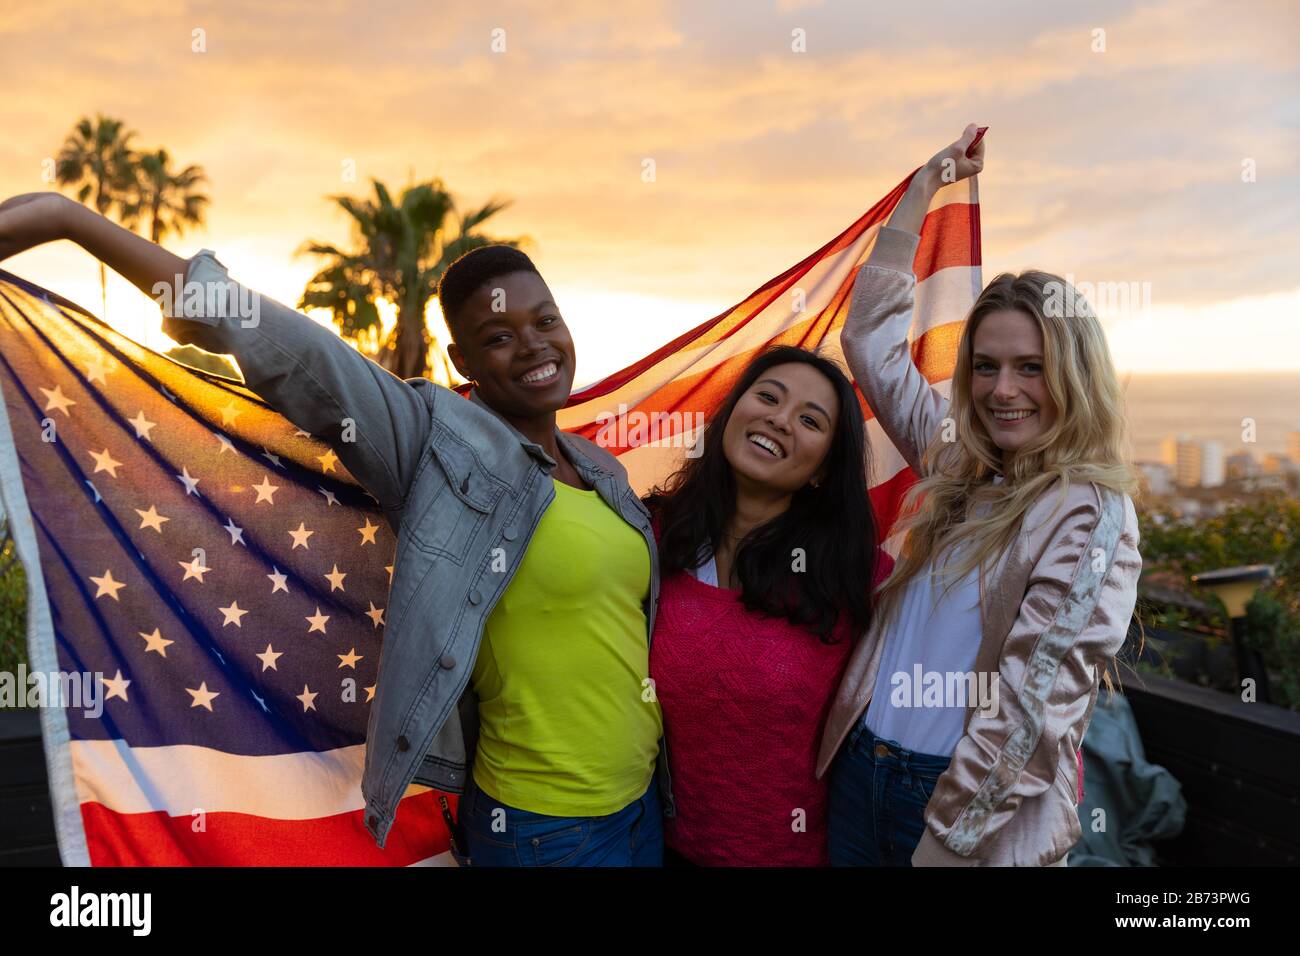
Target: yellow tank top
pixel 565 728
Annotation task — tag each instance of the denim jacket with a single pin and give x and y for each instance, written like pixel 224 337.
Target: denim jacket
pixel 461 488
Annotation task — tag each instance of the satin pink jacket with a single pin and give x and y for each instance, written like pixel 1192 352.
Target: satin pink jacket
pixel 1053 611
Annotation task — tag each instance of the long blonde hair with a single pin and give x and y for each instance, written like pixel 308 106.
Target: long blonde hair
pixel 1088 441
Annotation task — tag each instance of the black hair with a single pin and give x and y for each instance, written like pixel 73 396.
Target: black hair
pixel 470 272
pixel 833 523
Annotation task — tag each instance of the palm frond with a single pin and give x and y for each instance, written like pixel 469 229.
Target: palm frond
pixel 399 252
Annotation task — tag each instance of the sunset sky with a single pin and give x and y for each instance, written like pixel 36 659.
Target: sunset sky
pixel 1121 165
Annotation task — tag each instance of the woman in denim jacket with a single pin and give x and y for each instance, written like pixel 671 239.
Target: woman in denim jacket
pixel 525 582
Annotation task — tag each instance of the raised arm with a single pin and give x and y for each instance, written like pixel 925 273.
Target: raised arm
pixel 874 338
pixel 376 423
pixel 35 218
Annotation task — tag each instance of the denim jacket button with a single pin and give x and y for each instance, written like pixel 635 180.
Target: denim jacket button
pixel 373 820
pixel 475 597
pixel 403 743
pixel 509 534
pixel 446 662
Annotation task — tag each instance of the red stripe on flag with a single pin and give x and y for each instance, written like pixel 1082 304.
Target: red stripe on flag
pixel 950 237
pixel 887 500
pixel 242 839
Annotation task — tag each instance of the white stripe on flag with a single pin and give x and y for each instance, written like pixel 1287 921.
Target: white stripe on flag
pixel 182 779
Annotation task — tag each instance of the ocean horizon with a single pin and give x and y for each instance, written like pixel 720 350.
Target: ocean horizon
pixel 1210 406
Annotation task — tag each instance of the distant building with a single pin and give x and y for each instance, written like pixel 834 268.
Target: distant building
pixel 1184 457
pixel 1267 483
pixel 1195 464
pixel 1156 477
pixel 1211 464
pixel 1169 450
pixel 1242 465
pixel 1293 444
pixel 1275 463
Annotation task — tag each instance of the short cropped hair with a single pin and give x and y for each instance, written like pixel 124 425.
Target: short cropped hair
pixel 471 272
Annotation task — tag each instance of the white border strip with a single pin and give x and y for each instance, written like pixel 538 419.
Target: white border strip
pixel 41 652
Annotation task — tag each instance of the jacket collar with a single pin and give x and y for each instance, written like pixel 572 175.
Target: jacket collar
pixel 581 461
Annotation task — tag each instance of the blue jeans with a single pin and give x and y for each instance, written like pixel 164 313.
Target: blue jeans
pixel 633 836
pixel 878 793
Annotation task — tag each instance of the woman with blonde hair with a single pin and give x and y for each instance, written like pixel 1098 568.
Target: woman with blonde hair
pixel 954 736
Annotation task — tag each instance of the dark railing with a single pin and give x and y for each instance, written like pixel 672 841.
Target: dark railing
pixel 1239 765
pixel 26 817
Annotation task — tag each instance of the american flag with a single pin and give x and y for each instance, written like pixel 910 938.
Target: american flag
pixel 805 306
pixel 226 579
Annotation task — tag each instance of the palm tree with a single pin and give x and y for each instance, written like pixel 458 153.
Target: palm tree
pixel 98 157
pixel 168 201
pixel 400 252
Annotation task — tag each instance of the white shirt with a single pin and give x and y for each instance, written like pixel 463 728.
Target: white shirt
pixel 918 699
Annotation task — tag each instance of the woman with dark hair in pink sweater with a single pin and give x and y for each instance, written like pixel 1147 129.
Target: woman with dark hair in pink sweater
pixel 769 555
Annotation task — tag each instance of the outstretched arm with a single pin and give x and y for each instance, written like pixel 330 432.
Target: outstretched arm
pixel 377 423
pixel 874 338
pixel 35 218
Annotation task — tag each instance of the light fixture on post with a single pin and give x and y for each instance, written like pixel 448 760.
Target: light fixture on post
pixel 1235 587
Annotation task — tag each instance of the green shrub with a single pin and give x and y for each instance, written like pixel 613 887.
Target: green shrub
pixel 13 606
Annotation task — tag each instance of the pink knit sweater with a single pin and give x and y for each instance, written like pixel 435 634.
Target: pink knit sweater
pixel 744 699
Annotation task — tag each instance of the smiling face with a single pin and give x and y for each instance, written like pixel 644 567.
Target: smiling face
pixel 1008 387
pixel 513 343
pixel 781 430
